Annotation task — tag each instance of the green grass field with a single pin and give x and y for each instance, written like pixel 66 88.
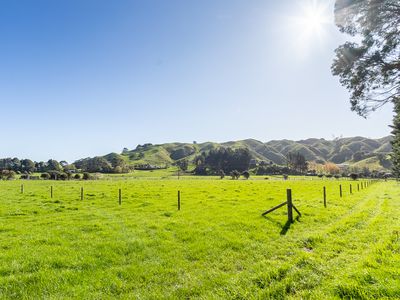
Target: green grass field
pixel 217 247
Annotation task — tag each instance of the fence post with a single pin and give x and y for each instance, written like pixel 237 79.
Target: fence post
pixel 325 196
pixel 119 196
pixel 51 192
pixel 358 187
pixel 22 188
pixel 289 205
pixel 81 193
pixel 340 191
pixel 351 190
pixel 179 200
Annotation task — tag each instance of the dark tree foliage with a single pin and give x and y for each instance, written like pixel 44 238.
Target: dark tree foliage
pixel 353 176
pixel 235 174
pixel 54 165
pixel 10 164
pixel 182 152
pixel 183 164
pixel 45 176
pixel 369 69
pixel 225 159
pixel 396 141
pixel 246 174
pixel 95 164
pixel 297 162
pixel 276 170
pixel 27 166
pixel 87 176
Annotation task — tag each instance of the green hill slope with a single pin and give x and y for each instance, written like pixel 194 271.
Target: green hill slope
pixel 357 151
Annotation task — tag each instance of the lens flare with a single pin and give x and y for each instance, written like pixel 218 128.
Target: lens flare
pixel 307 26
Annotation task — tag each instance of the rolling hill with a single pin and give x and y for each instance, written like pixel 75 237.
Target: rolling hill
pixel 357 151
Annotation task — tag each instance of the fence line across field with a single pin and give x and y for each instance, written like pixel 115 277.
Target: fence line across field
pixel 289 203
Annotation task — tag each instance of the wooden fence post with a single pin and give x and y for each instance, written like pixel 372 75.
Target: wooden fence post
pixel 22 188
pixel 51 192
pixel 119 196
pixel 358 187
pixel 81 193
pixel 179 200
pixel 351 190
pixel 325 196
pixel 289 205
pixel 340 191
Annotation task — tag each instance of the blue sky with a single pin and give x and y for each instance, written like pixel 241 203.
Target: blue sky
pixel 89 77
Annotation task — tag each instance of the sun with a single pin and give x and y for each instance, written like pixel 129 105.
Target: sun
pixel 313 18
pixel 307 26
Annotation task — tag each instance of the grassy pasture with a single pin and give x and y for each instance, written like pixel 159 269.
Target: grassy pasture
pixel 217 247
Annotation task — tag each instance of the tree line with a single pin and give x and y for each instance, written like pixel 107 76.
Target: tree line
pixel 114 164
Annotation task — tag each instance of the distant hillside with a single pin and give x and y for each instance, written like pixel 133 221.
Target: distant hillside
pixel 357 151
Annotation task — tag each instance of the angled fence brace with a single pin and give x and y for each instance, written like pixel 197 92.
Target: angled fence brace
pixel 289 204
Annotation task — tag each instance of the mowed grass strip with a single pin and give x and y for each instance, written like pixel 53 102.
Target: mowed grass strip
pixel 217 246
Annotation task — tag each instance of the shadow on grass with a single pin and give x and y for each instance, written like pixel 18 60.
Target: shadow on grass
pixel 285 227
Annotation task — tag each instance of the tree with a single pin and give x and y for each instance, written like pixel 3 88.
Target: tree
pixel 396 141
pixel 63 163
pixel 331 168
pixel 246 174
pixel 296 162
pixel 95 164
pixel 353 176
pixel 28 165
pixel 235 174
pixel 54 165
pixel 183 164
pixel 370 69
pixel 118 169
pixel 7 174
pixel 45 176
pixel 225 159
pixel 86 176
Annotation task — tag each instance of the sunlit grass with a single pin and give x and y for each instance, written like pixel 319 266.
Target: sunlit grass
pixel 217 246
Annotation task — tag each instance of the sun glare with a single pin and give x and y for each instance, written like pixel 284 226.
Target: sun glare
pixel 308 25
pixel 313 19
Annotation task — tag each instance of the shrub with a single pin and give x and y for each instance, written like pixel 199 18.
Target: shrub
pixel 86 176
pixel 45 176
pixel 246 174
pixel 221 174
pixel 285 176
pixel 320 175
pixel 328 175
pixel 77 176
pixel 118 169
pixel 235 174
pixel 63 176
pixel 11 175
pixel 54 175
pixel 353 176
pixel 337 176
pixel 7 175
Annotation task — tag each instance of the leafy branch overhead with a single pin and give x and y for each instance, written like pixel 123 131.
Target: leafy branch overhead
pixel 369 66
